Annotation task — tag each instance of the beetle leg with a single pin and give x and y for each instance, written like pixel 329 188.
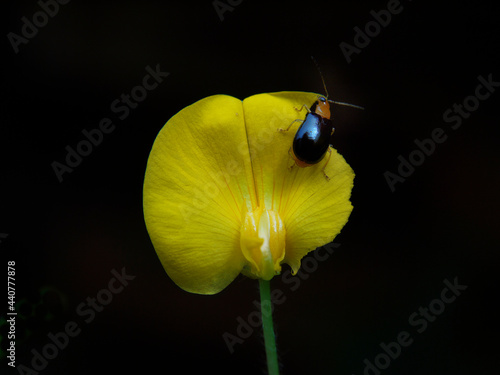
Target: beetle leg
pixel 327 160
pixel 331 136
pixel 289 126
pixel 301 108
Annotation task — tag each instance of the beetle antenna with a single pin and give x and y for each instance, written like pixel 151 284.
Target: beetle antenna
pixel 326 91
pixel 321 75
pixel 346 104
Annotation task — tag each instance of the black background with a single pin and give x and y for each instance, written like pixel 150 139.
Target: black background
pixel 395 251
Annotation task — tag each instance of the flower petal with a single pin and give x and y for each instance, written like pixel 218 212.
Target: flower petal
pixel 313 209
pixel 219 198
pixel 198 183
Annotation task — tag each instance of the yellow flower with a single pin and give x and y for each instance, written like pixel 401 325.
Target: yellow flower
pixel 220 198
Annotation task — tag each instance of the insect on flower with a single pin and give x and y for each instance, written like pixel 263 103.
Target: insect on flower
pixel 314 136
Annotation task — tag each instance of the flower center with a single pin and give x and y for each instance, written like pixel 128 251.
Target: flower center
pixel 262 241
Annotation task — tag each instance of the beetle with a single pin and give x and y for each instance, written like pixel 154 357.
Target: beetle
pixel 314 136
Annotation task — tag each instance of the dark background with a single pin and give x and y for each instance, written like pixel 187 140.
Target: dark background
pixel 396 249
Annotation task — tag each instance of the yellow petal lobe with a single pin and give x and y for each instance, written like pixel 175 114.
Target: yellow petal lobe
pixel 312 208
pixel 198 182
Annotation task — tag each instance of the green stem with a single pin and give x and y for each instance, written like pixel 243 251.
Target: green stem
pixel 267 327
